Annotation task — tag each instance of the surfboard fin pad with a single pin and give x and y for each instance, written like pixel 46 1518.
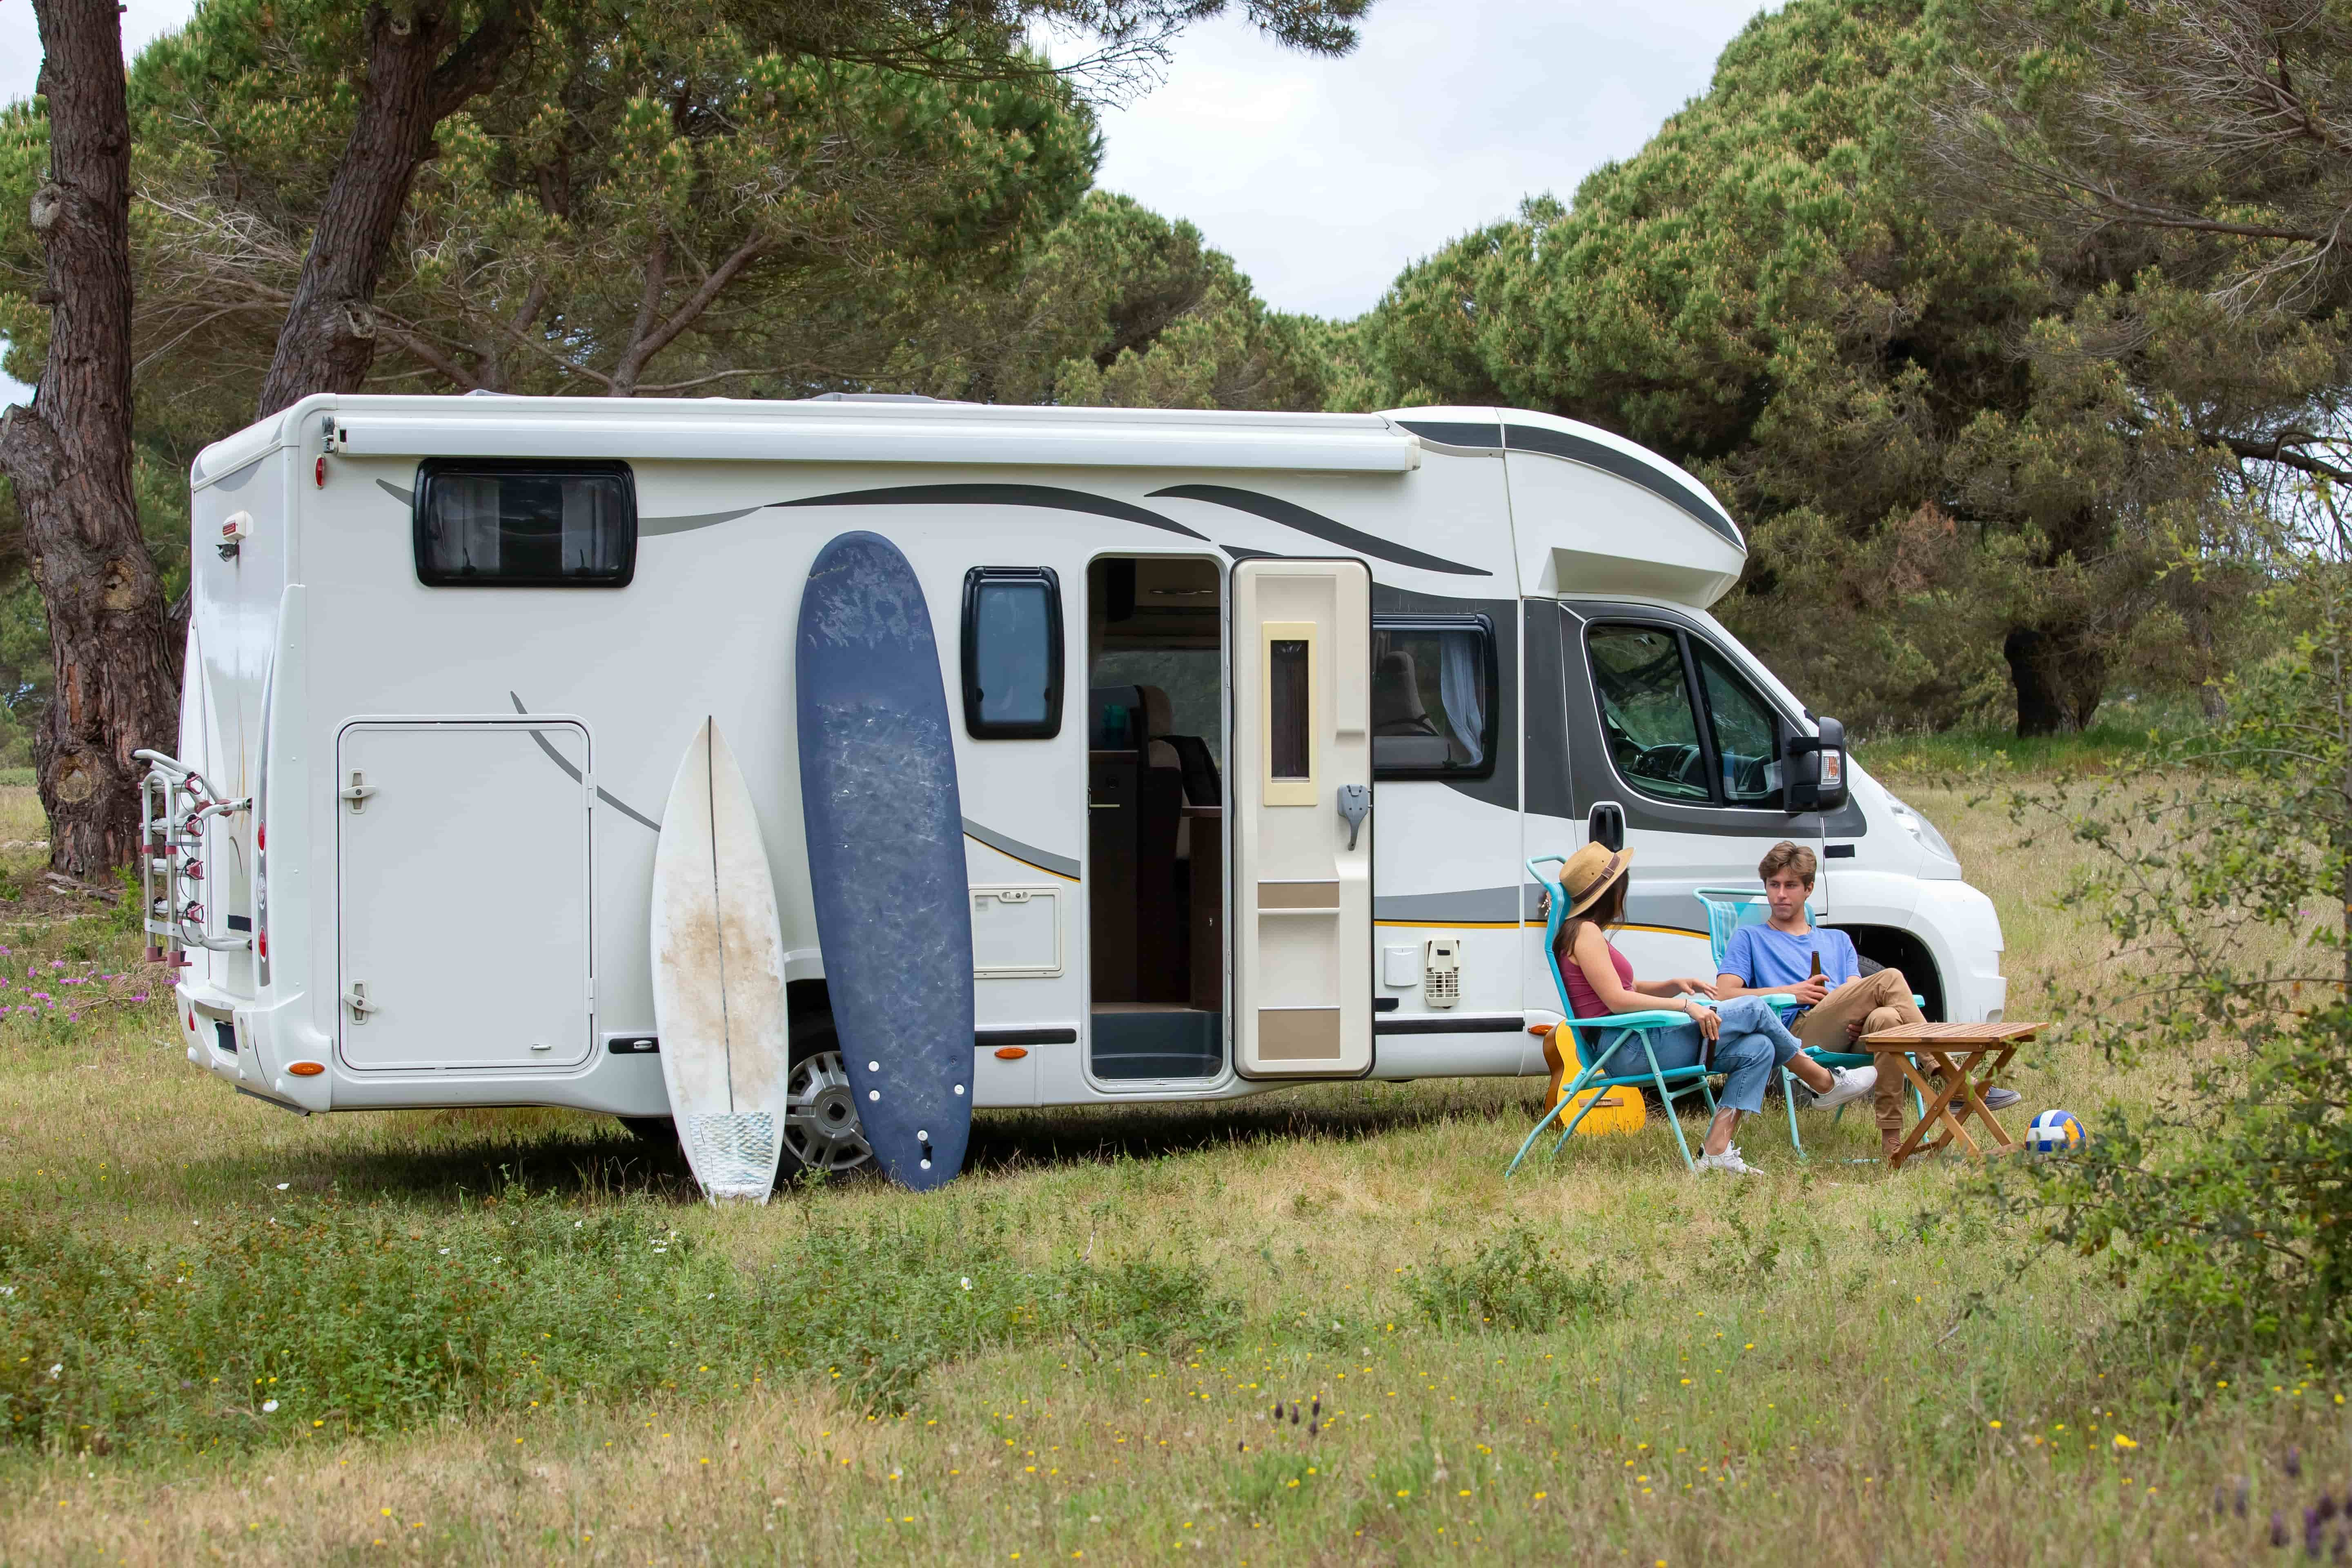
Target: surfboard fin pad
pixel 734 1154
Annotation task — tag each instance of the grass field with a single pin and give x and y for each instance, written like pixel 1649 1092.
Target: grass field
pixel 439 1337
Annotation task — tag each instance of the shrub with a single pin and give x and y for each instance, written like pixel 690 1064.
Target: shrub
pixel 2223 875
pixel 1511 1283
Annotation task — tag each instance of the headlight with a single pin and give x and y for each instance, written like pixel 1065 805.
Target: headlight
pixel 1923 828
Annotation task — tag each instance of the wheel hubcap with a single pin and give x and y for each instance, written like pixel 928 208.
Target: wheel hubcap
pixel 821 1127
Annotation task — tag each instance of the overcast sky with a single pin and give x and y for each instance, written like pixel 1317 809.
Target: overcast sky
pixel 1322 178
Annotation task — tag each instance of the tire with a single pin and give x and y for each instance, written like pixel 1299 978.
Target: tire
pixel 821 1129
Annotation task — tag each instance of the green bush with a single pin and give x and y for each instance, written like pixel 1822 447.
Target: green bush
pixel 2223 874
pixel 1511 1283
pixel 366 1321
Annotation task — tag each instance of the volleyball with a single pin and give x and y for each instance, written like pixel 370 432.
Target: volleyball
pixel 2054 1133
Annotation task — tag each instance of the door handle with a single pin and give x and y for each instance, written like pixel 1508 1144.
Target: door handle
pixel 356 999
pixel 1355 805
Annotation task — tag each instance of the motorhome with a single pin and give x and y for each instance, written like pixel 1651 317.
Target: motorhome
pixel 1259 714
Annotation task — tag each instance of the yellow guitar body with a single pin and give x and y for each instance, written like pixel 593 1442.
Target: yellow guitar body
pixel 1612 1110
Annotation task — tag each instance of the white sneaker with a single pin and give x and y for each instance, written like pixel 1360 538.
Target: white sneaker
pixel 1847 1084
pixel 1728 1163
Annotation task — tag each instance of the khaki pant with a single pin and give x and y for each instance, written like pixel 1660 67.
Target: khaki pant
pixel 1882 1001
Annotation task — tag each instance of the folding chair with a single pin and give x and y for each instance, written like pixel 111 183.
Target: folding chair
pixel 1729 908
pixel 1593 1055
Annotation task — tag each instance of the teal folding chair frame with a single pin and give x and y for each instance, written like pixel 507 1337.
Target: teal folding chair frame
pixel 1591 1073
pixel 1723 907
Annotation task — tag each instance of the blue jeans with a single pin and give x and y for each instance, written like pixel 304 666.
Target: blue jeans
pixel 1752 1044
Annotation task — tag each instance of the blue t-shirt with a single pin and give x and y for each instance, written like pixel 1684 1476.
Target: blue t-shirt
pixel 1761 957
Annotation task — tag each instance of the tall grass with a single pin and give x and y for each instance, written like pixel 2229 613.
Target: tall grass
pixel 1315 1327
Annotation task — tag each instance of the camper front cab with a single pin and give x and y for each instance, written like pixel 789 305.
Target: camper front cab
pixel 445 654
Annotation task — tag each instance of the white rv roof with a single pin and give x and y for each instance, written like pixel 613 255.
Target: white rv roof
pixel 828 431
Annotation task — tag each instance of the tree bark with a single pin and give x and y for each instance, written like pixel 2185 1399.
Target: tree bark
pixel 68 456
pixel 2060 681
pixel 327 341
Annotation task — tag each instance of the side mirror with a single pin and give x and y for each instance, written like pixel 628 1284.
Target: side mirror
pixel 1817 769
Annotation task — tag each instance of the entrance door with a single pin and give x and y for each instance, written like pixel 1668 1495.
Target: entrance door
pixel 463 895
pixel 1302 756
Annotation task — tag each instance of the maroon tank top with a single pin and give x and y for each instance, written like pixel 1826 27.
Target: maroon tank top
pixel 1581 994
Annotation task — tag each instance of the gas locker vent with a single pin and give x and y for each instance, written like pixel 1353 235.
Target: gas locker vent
pixel 1441 978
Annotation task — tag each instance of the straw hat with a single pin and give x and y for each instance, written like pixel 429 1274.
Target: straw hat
pixel 1588 873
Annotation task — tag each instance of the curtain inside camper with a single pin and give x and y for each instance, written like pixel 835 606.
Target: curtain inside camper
pixel 1432 698
pixel 526 525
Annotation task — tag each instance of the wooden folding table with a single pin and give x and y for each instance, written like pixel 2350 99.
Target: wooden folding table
pixel 1961 1054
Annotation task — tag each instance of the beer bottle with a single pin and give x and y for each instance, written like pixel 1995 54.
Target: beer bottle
pixel 1816 974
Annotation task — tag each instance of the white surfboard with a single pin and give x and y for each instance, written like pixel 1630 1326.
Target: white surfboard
pixel 718 977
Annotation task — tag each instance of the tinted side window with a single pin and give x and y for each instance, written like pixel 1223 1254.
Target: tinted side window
pixel 480 524
pixel 1645 711
pixel 1012 653
pixel 1433 699
pixel 1746 730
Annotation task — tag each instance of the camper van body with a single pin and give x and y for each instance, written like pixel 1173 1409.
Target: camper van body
pixel 428 882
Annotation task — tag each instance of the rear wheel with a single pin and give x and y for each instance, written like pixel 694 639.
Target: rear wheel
pixel 821 1129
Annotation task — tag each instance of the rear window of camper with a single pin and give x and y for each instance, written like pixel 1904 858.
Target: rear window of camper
pixel 492 524
pixel 1433 697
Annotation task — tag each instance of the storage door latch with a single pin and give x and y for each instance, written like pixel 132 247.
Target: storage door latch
pixel 1355 805
pixel 356 999
pixel 357 792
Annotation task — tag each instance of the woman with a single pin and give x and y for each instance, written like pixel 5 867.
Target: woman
pixel 1748 1039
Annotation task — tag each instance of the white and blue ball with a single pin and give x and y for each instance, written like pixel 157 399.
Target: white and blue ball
pixel 2054 1133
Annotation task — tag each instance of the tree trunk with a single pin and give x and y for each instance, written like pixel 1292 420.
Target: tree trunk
pixel 2059 678
pixel 68 456
pixel 327 340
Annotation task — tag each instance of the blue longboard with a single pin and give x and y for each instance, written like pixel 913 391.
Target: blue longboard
pixel 886 854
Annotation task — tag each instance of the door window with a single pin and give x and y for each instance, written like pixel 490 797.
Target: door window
pixel 1012 653
pixel 1746 730
pixel 1433 699
pixel 1645 711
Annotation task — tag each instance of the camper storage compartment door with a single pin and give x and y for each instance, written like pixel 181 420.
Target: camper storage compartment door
pixel 1299 795
pixel 463 894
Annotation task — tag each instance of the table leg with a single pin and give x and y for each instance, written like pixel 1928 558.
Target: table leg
pixel 1938 1103
pixel 1972 1068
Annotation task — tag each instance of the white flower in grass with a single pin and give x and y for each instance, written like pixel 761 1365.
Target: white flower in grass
pixel 269 1406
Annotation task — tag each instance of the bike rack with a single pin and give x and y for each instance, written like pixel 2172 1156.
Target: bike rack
pixel 175 800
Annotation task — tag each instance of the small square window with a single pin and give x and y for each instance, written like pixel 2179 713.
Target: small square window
pixel 1433 708
pixel 525 524
pixel 1012 653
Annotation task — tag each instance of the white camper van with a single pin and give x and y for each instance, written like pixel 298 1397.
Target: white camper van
pixel 445 654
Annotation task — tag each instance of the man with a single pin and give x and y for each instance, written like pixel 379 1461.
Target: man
pixel 1843 1003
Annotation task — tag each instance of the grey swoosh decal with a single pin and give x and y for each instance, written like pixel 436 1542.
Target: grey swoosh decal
pixel 1486 432
pixel 558 759
pixel 647 527
pixel 1624 466
pixel 1292 515
pixel 1475 906
pixel 1051 497
pixel 1060 865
